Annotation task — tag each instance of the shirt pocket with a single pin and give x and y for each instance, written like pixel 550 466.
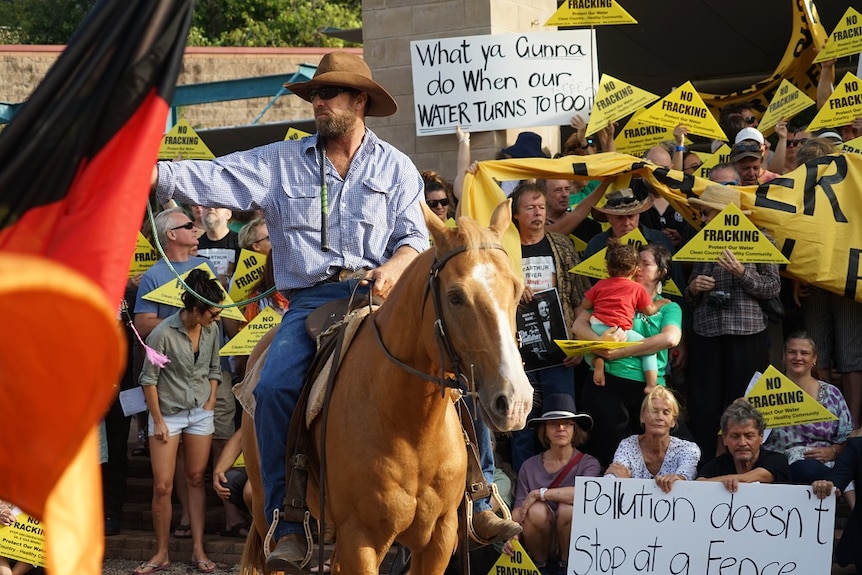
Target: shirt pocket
pixel 301 207
pixel 371 214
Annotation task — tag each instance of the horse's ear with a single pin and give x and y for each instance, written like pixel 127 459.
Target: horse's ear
pixel 501 219
pixel 436 226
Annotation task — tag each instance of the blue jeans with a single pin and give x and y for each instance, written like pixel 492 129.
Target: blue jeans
pixel 550 381
pixel 486 456
pixel 278 390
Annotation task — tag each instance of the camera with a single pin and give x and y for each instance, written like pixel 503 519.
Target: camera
pixel 718 299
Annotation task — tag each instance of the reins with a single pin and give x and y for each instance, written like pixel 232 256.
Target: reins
pixel 444 343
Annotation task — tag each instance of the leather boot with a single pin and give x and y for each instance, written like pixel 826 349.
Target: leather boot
pixel 492 528
pixel 288 554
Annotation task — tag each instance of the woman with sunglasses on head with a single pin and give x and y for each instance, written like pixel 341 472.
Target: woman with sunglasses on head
pixel 438 195
pixel 181 396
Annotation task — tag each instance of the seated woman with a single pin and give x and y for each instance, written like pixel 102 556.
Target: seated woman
pixel 654 453
pixel 811 448
pixel 546 482
pixel 746 461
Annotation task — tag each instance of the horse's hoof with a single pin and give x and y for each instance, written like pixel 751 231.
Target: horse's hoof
pixel 288 554
pixel 493 529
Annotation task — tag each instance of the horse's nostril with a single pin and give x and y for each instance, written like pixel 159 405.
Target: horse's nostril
pixel 501 405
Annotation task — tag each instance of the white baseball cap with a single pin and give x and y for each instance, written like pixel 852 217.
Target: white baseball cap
pixel 749 134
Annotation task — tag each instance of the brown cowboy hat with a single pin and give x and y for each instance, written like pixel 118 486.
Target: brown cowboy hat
pixel 622 202
pixel 349 71
pixel 717 197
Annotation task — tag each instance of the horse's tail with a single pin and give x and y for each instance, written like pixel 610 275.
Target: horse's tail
pixel 253 559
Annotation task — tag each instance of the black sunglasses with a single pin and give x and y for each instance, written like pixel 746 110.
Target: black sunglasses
pixel 752 147
pixel 185 226
pixel 750 119
pixel 798 142
pixel 327 92
pixel 434 203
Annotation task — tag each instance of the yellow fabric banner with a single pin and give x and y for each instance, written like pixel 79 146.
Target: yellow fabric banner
pixel 814 213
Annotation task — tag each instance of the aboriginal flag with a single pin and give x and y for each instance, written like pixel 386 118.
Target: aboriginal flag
pixel 75 166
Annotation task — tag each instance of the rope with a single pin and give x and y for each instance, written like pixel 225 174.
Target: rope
pixel 182 281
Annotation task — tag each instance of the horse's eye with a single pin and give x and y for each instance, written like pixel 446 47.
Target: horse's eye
pixel 455 298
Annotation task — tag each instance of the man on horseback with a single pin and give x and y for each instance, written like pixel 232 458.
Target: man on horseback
pixel 370 227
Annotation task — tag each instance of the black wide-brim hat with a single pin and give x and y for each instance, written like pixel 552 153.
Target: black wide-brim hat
pixel 349 71
pixel 561 406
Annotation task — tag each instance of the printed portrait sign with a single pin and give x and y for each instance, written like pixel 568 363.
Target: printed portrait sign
pixel 539 323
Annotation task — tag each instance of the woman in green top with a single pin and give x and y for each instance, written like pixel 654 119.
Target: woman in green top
pixel 181 396
pixel 615 406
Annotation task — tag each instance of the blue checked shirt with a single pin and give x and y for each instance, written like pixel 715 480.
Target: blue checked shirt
pixel 373 211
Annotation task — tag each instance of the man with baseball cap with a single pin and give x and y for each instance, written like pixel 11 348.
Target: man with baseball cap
pixel 747 157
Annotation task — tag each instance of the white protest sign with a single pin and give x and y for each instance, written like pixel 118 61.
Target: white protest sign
pixel 629 526
pixel 502 81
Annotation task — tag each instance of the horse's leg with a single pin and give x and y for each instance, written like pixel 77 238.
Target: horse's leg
pixel 356 553
pixel 434 558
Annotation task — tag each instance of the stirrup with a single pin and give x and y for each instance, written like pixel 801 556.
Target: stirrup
pixel 306 525
pixel 468 508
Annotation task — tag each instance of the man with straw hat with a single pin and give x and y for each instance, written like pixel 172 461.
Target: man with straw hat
pixel 358 218
pixel 728 340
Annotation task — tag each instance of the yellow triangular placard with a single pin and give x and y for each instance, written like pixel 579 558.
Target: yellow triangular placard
pixel 580 245
pixel 786 103
pixel 573 347
pixel 590 13
pixel 670 288
pixel 144 257
pixel 24 540
pixel 721 156
pixel 519 562
pixel 616 100
pixel 730 229
pixel 782 402
pixel 845 39
pixel 244 341
pixel 684 106
pixel 248 271
pixel 183 143
pixel 638 137
pixel 842 107
pixel 595 267
pixel 853 146
pixel 169 293
pixel 294 134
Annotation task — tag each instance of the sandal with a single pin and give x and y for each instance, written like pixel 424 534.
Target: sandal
pixel 238 531
pixel 146 568
pixel 183 532
pixel 204 565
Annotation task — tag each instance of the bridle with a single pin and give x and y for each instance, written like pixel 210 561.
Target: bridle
pixel 459 379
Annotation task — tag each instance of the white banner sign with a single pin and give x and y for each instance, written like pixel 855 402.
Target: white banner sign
pixel 503 81
pixel 629 526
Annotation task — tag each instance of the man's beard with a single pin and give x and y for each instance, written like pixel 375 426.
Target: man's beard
pixel 335 126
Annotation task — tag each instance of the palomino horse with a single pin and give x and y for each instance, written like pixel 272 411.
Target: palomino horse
pixel 395 452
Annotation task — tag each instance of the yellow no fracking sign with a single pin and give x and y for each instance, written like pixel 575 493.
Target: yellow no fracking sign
pixel 519 562
pixel 845 39
pixel 144 257
pixel 782 402
pixel 573 347
pixel 248 272
pixel 183 143
pixel 170 293
pixel 684 106
pixel 590 13
pixel 853 146
pixel 786 103
pixel 638 137
pixel 294 134
pixel 616 100
pixel 730 230
pixel 244 341
pixel 842 107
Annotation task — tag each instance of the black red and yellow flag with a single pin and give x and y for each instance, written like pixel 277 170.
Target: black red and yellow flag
pixel 75 167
